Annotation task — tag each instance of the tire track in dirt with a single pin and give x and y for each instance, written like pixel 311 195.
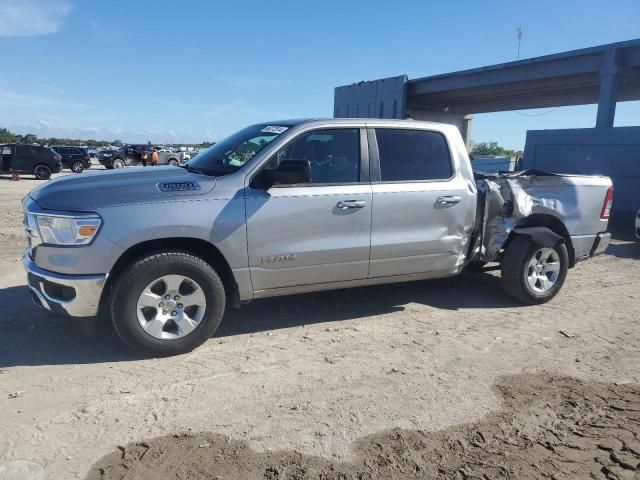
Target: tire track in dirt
pixel 548 427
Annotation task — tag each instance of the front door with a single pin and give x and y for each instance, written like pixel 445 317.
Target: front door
pixel 318 232
pixel 420 205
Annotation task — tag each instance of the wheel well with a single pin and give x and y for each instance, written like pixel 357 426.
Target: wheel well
pixel 201 248
pixel 555 225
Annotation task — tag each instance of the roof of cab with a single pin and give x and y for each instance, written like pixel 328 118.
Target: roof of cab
pixel 370 121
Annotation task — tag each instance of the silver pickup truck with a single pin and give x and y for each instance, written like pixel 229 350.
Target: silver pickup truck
pixel 298 206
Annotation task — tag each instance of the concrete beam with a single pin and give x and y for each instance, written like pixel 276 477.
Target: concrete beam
pixel 462 121
pixel 609 72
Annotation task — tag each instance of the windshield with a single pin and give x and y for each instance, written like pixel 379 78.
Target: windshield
pixel 233 152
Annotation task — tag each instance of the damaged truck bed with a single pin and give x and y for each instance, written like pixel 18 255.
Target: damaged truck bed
pixel 546 207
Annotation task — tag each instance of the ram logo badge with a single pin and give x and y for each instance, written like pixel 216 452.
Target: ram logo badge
pixel 279 258
pixel 178 186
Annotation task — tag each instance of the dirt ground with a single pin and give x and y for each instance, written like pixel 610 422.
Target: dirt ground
pixel 434 379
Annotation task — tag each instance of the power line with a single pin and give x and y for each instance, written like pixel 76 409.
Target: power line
pixel 536 114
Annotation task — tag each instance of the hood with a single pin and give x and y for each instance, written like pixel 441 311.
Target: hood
pixel 91 190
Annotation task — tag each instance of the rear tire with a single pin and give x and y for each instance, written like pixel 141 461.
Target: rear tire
pixel 143 281
pixel 42 171
pixel 77 166
pixel 531 273
pixel 118 163
pixel 173 161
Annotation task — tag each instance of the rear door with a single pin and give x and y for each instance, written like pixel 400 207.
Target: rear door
pixel 419 203
pixel 317 232
pixel 25 158
pixel 67 155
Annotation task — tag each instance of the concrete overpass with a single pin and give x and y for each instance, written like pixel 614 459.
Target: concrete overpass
pixel 604 74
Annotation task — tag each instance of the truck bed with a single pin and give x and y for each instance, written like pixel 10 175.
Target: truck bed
pixel 507 199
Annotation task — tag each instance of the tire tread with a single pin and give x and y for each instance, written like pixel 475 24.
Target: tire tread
pixel 126 277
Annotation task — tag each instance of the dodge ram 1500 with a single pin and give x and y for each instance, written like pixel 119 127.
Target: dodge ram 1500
pixel 297 206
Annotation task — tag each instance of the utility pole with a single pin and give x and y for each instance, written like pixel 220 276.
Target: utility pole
pixel 519 35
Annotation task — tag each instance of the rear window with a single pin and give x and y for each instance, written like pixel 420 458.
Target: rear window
pixel 413 155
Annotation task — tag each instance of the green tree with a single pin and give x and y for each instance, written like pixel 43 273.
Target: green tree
pixel 492 148
pixel 30 138
pixel 6 136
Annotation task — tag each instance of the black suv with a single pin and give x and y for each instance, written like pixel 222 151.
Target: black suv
pixel 125 156
pixel 29 159
pixel 74 158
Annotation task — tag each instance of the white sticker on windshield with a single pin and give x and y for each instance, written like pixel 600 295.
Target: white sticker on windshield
pixel 273 129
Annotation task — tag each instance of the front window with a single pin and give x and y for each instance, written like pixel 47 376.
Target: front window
pixel 333 155
pixel 233 152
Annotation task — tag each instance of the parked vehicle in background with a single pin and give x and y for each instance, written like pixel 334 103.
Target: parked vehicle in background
pixel 299 206
pixel 74 158
pixel 29 159
pixel 130 155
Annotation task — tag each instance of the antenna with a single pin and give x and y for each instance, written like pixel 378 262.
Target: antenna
pixel 519 35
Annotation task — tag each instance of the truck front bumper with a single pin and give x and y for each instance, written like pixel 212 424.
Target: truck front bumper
pixel 70 295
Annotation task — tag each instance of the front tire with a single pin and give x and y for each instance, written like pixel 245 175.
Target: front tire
pixel 167 303
pixel 118 163
pixel 42 172
pixel 531 273
pixel 173 161
pixel 77 166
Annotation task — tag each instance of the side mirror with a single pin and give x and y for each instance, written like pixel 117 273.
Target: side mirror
pixel 288 172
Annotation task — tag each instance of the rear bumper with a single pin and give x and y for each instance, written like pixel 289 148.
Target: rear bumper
pixel 70 295
pixel 601 244
pixel 587 246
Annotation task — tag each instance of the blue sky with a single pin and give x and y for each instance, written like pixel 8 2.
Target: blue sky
pixel 198 70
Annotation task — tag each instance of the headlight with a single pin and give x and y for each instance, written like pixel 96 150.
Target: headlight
pixel 106 155
pixel 67 230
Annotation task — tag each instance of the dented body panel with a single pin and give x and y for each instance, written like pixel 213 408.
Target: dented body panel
pixel 512 200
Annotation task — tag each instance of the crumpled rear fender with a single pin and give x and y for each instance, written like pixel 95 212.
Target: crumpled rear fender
pixel 541 235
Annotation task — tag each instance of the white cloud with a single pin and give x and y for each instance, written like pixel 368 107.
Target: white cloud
pixel 26 18
pixel 44 124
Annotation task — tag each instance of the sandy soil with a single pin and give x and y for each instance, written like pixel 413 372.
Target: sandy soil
pixel 328 375
pixel 548 427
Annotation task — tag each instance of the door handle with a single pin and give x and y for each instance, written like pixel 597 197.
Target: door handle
pixel 448 200
pixel 344 204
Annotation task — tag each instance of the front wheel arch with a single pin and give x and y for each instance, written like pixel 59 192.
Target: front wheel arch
pixel 200 248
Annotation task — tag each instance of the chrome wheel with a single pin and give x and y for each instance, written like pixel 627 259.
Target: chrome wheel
pixel 171 307
pixel 77 167
pixel 543 270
